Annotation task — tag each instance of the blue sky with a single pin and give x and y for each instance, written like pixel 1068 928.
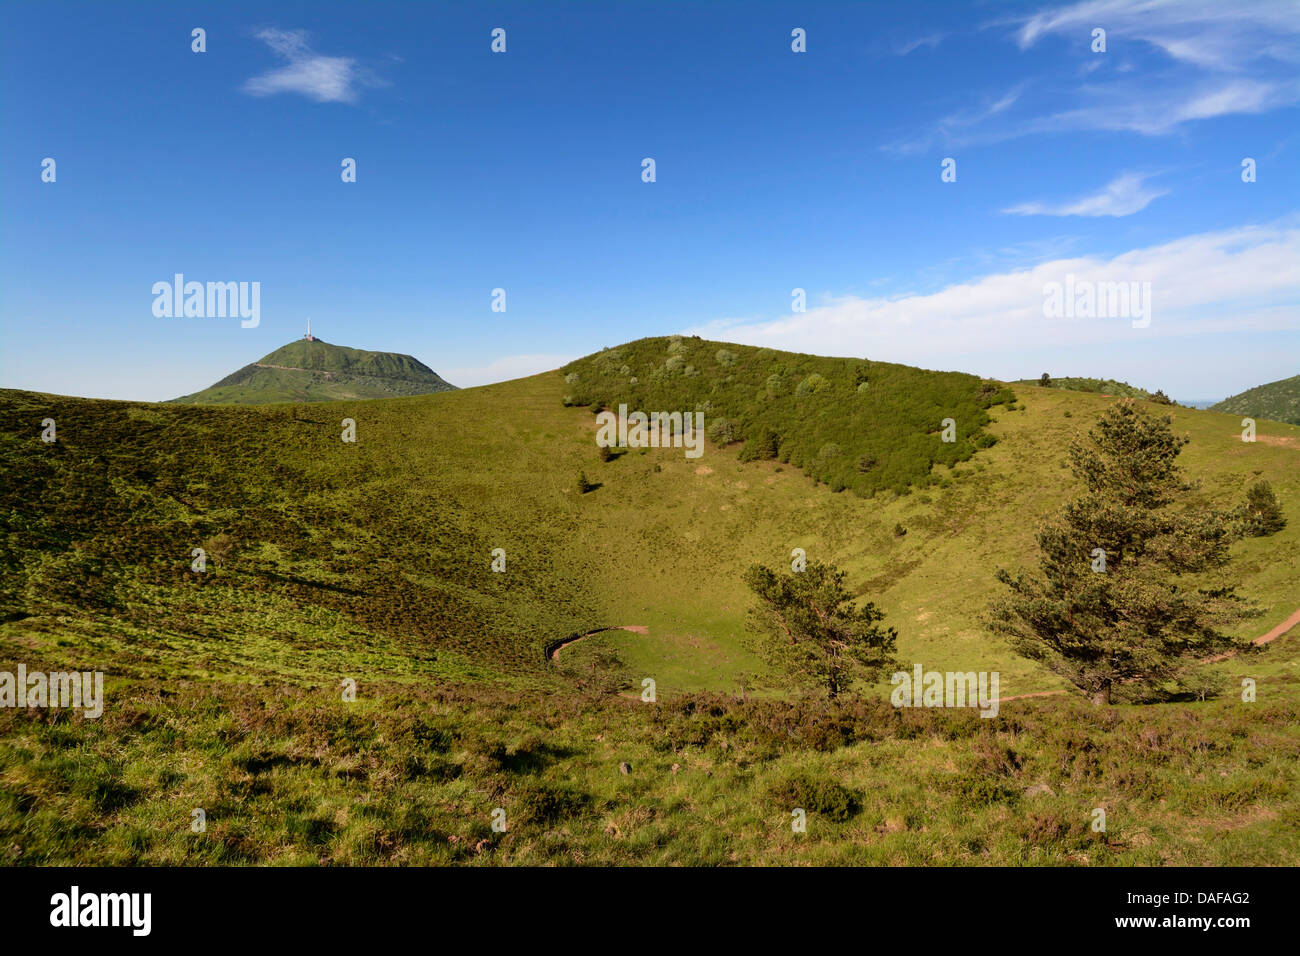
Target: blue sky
pixel 775 170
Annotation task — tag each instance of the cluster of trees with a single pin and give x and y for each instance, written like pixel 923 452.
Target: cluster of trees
pixel 1126 591
pixel 851 424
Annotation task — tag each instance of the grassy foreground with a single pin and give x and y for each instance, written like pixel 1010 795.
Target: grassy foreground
pixel 413 776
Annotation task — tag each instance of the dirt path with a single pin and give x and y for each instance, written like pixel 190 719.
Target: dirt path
pixel 553 649
pixel 1272 635
pixel 1268 638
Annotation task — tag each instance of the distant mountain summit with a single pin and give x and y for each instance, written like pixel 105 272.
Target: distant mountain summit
pixel 1277 401
pixel 310 370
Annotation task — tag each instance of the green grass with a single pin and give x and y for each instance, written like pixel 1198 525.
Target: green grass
pixel 413 776
pixel 372 561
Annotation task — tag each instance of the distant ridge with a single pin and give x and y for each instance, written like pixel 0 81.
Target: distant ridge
pixel 1099 386
pixel 310 370
pixel 1277 401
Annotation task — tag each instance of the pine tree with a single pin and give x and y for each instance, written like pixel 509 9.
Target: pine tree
pixel 1261 514
pixel 810 628
pixel 1127 612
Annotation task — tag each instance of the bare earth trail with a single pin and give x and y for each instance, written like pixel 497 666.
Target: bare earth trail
pixel 553 650
pixel 1271 636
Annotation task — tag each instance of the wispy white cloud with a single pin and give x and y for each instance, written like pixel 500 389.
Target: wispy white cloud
pixel 1122 196
pixel 325 79
pixel 1203 59
pixel 932 41
pixel 957 127
pixel 1207 33
pixel 1156 112
pixel 1234 281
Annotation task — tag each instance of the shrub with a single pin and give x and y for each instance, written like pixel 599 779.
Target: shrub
pixel 721 432
pixel 981 789
pixel 1261 515
pixel 830 450
pixel 813 384
pixel 762 446
pixel 584 485
pixel 816 794
pixel 535 803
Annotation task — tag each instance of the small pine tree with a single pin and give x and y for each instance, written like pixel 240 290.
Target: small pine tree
pixel 1045 381
pixel 605 453
pixel 809 628
pixel 1261 514
pixel 584 485
pixel 1135 618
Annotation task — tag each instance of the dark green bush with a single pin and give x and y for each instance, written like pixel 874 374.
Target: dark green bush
pixel 816 794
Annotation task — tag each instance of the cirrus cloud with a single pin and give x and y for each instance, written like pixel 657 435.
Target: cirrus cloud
pixel 325 79
pixel 1122 196
pixel 1235 283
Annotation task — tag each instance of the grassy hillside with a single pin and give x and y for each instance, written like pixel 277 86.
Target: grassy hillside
pixel 848 423
pixel 1277 401
pixel 317 371
pixel 1099 386
pixel 372 561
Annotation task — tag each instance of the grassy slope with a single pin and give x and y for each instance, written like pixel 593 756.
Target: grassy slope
pixel 1277 401
pixel 227 692
pixel 421 499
